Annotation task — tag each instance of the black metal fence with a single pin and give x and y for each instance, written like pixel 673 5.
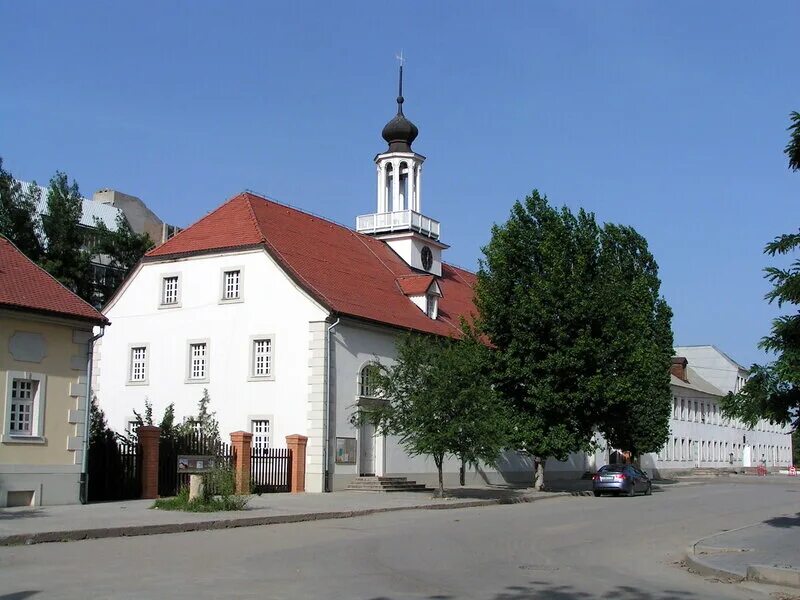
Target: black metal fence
pixel 193 443
pixel 270 470
pixel 114 469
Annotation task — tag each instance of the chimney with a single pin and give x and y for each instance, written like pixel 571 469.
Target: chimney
pixel 678 367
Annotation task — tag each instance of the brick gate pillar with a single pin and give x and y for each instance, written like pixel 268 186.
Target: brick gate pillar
pixel 148 442
pixel 241 442
pixel 297 444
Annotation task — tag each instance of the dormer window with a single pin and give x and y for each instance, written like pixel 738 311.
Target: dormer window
pixel 432 305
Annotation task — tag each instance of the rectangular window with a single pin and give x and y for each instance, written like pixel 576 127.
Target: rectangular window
pixel 198 361
pixel 262 357
pixel 138 369
pixel 23 393
pixel 683 410
pixel 230 285
pixel 169 290
pixel 261 434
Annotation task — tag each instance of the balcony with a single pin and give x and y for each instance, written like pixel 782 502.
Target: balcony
pixel 399 220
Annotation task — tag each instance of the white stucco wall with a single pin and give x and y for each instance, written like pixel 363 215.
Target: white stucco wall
pixel 271 305
pixel 354 344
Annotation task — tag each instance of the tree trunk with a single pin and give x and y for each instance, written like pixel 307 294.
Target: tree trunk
pixel 439 460
pixel 538 473
pixel 462 473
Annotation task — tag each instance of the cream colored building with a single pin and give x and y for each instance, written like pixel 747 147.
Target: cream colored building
pixel 45 332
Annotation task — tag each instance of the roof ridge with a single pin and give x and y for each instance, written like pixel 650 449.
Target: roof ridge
pixel 208 214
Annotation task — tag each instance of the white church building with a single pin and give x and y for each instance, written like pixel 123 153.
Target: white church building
pixel 280 313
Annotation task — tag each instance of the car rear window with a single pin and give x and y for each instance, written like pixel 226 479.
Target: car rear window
pixel 613 468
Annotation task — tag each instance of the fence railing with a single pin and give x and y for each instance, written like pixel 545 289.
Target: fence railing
pixel 114 469
pixel 270 470
pixel 193 443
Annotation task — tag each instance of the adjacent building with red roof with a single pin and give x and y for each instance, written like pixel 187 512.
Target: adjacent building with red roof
pixel 280 315
pixel 45 332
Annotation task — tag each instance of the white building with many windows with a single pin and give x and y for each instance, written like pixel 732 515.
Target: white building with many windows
pixel 700 436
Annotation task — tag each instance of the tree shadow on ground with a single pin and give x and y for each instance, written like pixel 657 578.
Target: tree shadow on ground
pixel 19 595
pixel 784 522
pixel 541 590
pixel 7 515
pixel 493 493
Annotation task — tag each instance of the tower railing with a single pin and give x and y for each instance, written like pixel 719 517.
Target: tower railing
pixel 398 220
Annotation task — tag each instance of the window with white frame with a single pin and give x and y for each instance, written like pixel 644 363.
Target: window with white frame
pixel 262 357
pixel 368 381
pixel 198 360
pixel 138 364
pixel 169 290
pixel 261 434
pixel 231 285
pixel 23 396
pixel 432 305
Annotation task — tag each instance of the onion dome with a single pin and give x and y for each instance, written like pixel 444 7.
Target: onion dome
pixel 400 133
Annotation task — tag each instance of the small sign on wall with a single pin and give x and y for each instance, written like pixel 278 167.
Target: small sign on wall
pixel 345 451
pixel 195 464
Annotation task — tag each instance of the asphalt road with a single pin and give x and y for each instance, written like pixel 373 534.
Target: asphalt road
pixel 563 549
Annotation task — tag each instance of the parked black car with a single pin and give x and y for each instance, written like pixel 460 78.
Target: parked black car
pixel 616 479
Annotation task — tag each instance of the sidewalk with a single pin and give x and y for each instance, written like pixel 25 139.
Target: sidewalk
pixel 135 517
pixel 767 552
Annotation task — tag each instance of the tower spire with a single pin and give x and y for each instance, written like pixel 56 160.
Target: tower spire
pixel 401 60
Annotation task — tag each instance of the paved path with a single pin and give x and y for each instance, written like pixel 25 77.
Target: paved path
pixel 137 517
pixel 765 551
pixel 564 549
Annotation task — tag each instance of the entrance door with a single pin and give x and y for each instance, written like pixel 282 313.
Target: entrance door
pixel 367 453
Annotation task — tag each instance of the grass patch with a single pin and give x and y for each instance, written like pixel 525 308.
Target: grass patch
pixel 218 495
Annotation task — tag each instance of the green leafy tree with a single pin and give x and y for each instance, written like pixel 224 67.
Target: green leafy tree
pixel 438 399
pixel 535 294
pixel 636 344
pixel 582 338
pixel 772 391
pixel 65 256
pixel 205 421
pixel 122 249
pixel 18 219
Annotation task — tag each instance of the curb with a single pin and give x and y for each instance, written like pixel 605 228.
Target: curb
pixel 75 535
pixel 757 573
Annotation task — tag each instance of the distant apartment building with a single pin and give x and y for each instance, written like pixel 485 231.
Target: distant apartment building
pixel 105 207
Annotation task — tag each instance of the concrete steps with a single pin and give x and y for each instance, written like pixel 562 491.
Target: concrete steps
pixel 385 484
pixel 705 472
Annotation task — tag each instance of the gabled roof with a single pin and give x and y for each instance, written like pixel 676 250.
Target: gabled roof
pixel 697 383
pixel 415 285
pixel 347 272
pixel 25 286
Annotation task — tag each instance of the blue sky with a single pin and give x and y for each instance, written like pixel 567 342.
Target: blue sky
pixel 669 117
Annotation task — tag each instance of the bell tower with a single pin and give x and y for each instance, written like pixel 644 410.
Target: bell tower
pixel 399 220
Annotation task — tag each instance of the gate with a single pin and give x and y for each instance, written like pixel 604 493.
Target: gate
pixel 169 448
pixel 114 469
pixel 270 470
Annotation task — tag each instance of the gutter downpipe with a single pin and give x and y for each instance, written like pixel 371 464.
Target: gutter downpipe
pixel 84 484
pixel 326 410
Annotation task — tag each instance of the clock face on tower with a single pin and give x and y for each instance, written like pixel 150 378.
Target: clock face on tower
pixel 427 258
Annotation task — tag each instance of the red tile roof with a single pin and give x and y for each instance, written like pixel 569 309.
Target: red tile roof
pixel 347 272
pixel 25 286
pixel 415 285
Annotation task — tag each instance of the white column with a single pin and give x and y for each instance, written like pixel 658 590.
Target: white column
pixel 395 186
pixel 411 201
pixel 381 187
pixel 418 188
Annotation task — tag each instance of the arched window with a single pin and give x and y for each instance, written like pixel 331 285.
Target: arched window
pixel 389 192
pixel 368 381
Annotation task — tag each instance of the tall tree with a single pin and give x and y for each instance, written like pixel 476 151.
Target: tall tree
pixel 537 301
pixel 438 399
pixel 18 219
pixel 122 249
pixel 636 343
pixel 65 255
pixel 581 334
pixel 773 390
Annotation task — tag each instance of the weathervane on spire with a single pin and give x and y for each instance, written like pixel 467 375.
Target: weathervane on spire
pixel 402 61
